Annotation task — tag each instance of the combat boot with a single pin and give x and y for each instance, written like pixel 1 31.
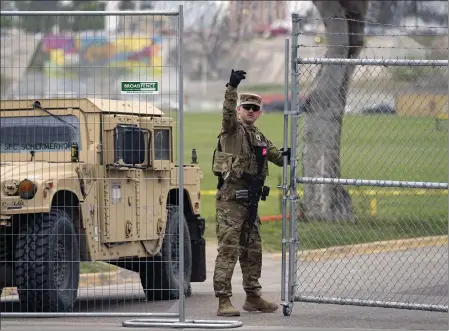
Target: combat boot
pixel 255 303
pixel 225 307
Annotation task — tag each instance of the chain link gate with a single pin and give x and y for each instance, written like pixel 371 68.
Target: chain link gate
pixel 91 189
pixel 368 242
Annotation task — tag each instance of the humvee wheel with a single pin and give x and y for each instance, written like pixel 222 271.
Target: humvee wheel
pixel 47 263
pixel 160 280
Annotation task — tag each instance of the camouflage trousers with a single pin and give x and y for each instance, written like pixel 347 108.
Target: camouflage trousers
pixel 236 241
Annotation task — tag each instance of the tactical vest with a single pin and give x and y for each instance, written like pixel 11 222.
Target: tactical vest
pixel 237 168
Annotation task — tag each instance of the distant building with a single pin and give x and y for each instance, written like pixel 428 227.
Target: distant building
pixel 248 16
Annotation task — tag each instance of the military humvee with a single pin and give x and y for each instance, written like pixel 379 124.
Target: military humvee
pixel 93 180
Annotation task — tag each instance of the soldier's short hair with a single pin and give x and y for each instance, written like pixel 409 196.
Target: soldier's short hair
pixel 250 99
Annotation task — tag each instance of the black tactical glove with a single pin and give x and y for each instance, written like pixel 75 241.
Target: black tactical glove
pixel 236 77
pixel 288 152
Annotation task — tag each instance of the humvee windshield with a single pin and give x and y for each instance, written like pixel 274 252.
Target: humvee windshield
pixel 38 133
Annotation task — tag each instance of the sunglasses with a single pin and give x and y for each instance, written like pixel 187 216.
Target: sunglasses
pixel 249 107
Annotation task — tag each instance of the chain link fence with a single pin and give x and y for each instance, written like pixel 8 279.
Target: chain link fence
pixel 365 207
pixel 98 208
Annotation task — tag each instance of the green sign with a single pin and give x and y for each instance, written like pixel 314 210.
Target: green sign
pixel 140 87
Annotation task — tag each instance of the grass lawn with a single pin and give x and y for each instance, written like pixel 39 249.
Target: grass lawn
pixel 373 147
pixel 95 267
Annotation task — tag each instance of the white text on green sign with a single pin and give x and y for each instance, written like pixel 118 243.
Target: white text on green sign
pixel 140 87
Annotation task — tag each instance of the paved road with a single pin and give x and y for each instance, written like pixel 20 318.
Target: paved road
pixel 202 305
pixel 415 275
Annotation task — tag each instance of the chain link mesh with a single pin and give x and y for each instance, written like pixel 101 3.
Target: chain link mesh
pixel 370 166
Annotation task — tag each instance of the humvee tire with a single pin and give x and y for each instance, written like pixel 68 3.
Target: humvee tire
pixel 47 263
pixel 160 278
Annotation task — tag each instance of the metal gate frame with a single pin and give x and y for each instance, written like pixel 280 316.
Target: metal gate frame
pixel 290 180
pixel 163 318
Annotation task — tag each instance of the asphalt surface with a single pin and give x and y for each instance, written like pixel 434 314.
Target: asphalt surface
pixel 412 279
pixel 418 276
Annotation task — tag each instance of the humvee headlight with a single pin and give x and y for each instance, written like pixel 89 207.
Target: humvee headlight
pixel 27 189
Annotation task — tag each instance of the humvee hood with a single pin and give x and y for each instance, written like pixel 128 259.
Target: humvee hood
pixel 35 171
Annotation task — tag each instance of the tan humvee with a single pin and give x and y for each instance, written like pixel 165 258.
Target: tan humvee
pixel 92 180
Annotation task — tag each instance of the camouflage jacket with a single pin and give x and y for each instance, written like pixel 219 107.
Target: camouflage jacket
pixel 236 156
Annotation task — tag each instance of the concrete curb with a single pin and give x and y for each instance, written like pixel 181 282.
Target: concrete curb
pixel 92 280
pixel 9 291
pixel 336 252
pixel 98 279
pixel 106 278
pixel 368 248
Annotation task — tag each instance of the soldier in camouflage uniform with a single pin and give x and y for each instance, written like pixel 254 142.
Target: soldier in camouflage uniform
pixel 233 158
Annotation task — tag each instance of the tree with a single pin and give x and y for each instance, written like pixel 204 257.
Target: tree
pixel 383 12
pixel 214 40
pixel 207 38
pixel 5 21
pixel 6 5
pixel 127 5
pixel 392 11
pixel 146 5
pixel 84 23
pixel 36 24
pixel 429 11
pixel 325 106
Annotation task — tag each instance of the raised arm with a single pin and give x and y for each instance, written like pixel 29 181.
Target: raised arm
pixel 229 122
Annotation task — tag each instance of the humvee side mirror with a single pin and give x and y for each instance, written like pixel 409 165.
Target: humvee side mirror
pixel 131 146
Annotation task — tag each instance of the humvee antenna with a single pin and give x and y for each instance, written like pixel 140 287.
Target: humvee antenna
pixel 37 105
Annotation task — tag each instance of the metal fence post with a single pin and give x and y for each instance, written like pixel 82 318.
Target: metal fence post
pixel 287 109
pixel 287 309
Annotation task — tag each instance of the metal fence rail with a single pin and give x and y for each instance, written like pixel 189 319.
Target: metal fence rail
pixel 365 198
pixel 93 194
